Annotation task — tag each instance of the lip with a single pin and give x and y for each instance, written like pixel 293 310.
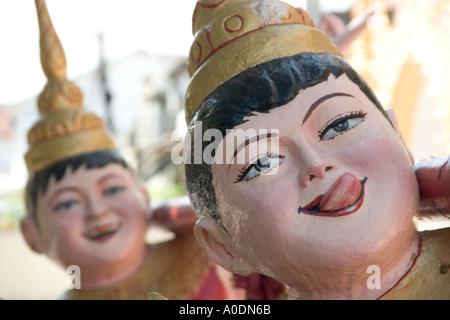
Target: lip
pixel 102 232
pixel 313 207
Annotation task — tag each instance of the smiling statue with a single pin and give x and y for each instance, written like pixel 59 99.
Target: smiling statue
pixel 311 182
pixel 88 212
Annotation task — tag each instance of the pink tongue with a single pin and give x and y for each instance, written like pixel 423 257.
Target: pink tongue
pixel 342 194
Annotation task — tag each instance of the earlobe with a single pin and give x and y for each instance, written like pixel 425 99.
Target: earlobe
pixel 219 247
pixel 29 231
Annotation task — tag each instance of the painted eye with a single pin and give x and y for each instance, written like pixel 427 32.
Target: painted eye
pixel 65 206
pixel 113 190
pixel 341 124
pixel 261 166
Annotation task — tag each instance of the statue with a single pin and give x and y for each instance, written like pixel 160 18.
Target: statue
pixel 295 169
pixel 87 211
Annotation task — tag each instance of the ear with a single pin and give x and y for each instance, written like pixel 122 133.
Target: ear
pixel 31 234
pixel 391 114
pixel 219 246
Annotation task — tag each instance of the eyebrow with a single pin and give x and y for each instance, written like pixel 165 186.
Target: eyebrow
pixel 322 99
pixel 107 176
pixel 250 140
pixel 60 191
pixel 76 189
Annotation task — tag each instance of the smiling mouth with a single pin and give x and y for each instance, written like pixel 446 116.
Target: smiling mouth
pixel 344 197
pixel 102 232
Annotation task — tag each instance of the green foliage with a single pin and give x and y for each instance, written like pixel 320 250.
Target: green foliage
pixel 12 208
pixel 166 191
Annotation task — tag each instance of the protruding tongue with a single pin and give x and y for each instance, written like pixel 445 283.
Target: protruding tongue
pixel 342 194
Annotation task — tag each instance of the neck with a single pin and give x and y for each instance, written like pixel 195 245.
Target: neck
pixel 414 258
pixel 376 280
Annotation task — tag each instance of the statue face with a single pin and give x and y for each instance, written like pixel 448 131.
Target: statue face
pixel 334 184
pixel 93 217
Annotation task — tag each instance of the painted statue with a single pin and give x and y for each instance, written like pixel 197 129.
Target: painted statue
pixel 294 168
pixel 89 214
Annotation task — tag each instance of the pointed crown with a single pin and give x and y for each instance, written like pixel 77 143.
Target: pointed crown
pixel 64 129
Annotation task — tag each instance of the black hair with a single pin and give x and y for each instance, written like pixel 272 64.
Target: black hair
pixel 38 182
pixel 258 89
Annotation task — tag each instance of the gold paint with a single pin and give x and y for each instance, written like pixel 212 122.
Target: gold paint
pixel 53 59
pixel 234 24
pixel 65 129
pixel 60 123
pixel 155 296
pixel 428 279
pixel 66 146
pixel 232 36
pixel 176 270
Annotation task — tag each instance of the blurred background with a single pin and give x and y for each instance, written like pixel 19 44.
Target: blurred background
pixel 129 59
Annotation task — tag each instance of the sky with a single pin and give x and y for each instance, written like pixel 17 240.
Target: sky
pixel 160 27
pixel 155 26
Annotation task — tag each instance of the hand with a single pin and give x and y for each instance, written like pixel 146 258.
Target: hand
pixel 433 176
pixel 175 214
pixel 344 35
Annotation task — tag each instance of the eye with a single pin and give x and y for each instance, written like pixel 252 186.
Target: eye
pixel 341 124
pixel 66 205
pixel 261 166
pixel 113 191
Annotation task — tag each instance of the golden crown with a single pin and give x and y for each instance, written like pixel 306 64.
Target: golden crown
pixel 231 36
pixel 65 129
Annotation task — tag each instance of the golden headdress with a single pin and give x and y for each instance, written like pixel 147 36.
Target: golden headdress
pixel 65 129
pixel 231 36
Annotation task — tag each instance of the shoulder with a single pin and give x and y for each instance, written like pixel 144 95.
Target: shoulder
pixel 185 269
pixel 437 244
pixel 440 237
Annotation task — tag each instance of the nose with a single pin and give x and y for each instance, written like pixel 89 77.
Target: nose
pixel 314 172
pixel 316 168
pixel 96 208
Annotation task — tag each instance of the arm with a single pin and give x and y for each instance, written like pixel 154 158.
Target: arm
pixel 433 176
pixel 175 214
pixel 343 35
pixel 352 31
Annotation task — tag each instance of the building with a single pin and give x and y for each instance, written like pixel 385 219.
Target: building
pixel 141 99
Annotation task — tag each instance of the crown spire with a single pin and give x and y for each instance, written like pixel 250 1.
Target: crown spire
pixel 64 129
pixel 59 93
pixel 53 59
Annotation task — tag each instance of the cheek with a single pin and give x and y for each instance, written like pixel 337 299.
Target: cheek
pixel 373 148
pixel 392 188
pixel 384 160
pixel 60 226
pixel 267 215
pixel 62 237
pixel 264 203
pixel 132 208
